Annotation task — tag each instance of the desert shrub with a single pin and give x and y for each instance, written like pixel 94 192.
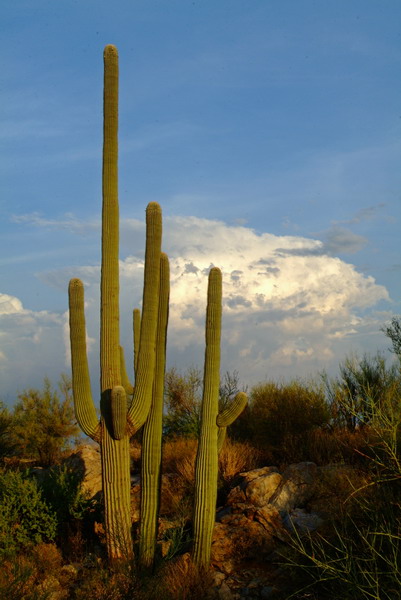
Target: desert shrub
pixel 177 452
pixel 43 424
pixel 364 386
pixel 183 400
pixel 236 457
pixel 6 444
pixel 281 416
pixel 25 518
pixel 359 554
pixel 62 490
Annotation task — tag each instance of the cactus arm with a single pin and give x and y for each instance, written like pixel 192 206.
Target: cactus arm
pixel 118 407
pixel 85 411
pixel 207 458
pixel 124 377
pixel 221 436
pixel 137 332
pixel 228 416
pixel 141 401
pixel 152 432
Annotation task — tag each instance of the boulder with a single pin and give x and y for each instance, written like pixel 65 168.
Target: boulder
pixel 256 487
pixel 296 487
pixel 260 490
pixel 86 461
pixel 302 521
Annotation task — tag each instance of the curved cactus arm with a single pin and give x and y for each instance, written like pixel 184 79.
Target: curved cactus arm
pixel 137 333
pixel 221 436
pixel 85 411
pixel 125 382
pixel 118 408
pixel 207 458
pixel 152 431
pixel 233 411
pixel 141 401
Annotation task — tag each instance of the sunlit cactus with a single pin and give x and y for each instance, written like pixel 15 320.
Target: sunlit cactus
pixel 152 432
pixel 213 427
pixel 120 416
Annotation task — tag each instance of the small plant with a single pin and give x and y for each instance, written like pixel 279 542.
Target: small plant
pixel 25 518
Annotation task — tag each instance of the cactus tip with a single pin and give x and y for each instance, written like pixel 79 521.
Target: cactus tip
pixel 75 283
pixel 109 50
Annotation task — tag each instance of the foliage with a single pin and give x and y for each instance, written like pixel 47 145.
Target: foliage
pixel 183 398
pixel 43 423
pixel 25 518
pixel 280 417
pixel 365 386
pixel 62 491
pixel 182 401
pixel 6 444
pixel 393 331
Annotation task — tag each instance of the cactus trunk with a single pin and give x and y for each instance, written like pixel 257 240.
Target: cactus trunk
pixel 207 457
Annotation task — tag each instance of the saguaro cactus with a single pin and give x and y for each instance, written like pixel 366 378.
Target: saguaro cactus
pixel 119 418
pixel 152 433
pixel 213 426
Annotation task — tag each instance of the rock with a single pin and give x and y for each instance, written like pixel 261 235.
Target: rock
pixel 86 460
pixel 261 489
pixel 256 487
pixel 302 521
pixel 255 473
pixel 224 592
pixel 237 539
pixel 296 487
pixel 269 517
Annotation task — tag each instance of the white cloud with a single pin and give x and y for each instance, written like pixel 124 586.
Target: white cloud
pixel 288 309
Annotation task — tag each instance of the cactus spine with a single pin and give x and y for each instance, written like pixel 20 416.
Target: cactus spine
pixel 119 419
pixel 213 427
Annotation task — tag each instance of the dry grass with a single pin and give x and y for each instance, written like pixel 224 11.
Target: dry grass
pixel 179 457
pixel 236 457
pixel 180 579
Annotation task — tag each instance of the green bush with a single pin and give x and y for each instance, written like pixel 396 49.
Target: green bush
pixel 280 417
pixel 25 518
pixel 43 423
pixel 365 386
pixel 183 400
pixel 6 445
pixel 62 491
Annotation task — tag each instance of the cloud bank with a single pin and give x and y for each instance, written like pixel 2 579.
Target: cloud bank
pixel 289 306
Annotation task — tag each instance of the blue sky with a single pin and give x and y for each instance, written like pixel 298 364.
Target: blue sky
pixel 269 131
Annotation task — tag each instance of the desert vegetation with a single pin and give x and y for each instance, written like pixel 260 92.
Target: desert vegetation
pixel 52 542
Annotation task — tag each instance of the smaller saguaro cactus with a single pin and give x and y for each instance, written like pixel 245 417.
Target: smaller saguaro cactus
pixel 213 426
pixel 153 429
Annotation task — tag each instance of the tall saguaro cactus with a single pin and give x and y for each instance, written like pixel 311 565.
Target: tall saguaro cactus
pixel 119 418
pixel 213 426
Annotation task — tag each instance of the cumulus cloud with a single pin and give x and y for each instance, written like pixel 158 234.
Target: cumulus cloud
pixel 288 307
pixel 32 345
